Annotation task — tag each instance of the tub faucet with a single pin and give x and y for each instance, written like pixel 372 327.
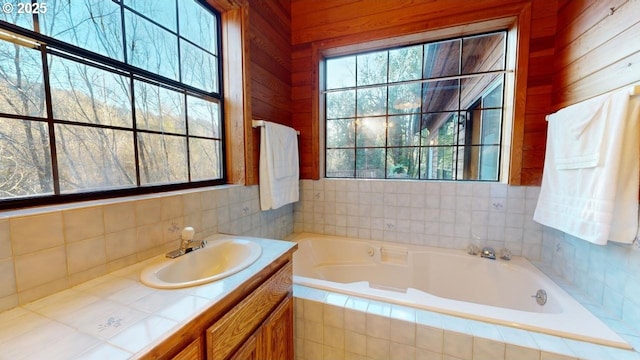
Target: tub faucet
pixel 488 252
pixel 186 243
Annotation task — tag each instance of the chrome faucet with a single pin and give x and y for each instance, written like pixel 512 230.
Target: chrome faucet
pixel 187 244
pixel 488 252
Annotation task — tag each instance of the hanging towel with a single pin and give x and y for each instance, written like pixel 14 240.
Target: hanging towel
pixel 578 142
pixel 279 169
pixel 593 193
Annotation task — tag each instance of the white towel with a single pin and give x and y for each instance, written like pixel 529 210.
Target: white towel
pixel 595 202
pixel 279 169
pixel 578 133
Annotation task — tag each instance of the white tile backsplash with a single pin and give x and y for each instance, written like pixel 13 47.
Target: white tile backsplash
pixel 84 223
pixel 53 248
pixel 444 214
pixel 36 232
pixel 5 240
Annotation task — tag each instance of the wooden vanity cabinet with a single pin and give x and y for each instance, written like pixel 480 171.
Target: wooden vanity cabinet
pixel 253 322
pixel 193 351
pixel 274 339
pixel 259 326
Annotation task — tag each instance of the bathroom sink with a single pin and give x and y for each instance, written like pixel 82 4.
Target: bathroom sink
pixel 217 260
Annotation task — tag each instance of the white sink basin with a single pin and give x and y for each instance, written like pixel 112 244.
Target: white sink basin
pixel 217 260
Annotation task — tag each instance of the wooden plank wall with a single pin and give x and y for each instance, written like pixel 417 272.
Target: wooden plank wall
pixel 270 71
pixel 348 22
pixel 539 90
pixel 598 49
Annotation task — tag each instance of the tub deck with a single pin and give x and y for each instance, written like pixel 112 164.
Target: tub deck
pixel 448 282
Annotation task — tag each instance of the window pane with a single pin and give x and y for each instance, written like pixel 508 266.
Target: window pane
pixel 159 109
pixel 371 131
pixel 480 162
pixel 405 64
pixel 372 68
pixel 491 120
pixel 204 117
pixel 404 99
pixel 372 101
pixel 370 163
pixel 199 68
pixel 483 53
pixel 340 133
pixel 163 158
pixel 21 80
pixel 25 160
pixel 476 87
pixel 110 165
pixel 340 162
pixel 439 128
pixel 437 163
pixel 22 19
pixel 440 95
pixel 205 159
pixel 441 59
pixel 402 130
pixel 341 72
pixel 87 94
pixel 402 163
pixel 198 25
pixel 94 25
pixel 150 47
pixel 341 104
pixel 164 15
pixel 494 98
pixel 489 156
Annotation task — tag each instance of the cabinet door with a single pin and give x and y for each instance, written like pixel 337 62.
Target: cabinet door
pixel 193 351
pixel 249 350
pixel 242 321
pixel 276 336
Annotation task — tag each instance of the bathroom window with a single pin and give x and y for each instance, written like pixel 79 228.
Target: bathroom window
pixel 109 98
pixel 426 111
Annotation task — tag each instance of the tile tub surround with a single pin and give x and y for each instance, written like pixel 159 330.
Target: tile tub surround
pixel 336 326
pixel 435 213
pixel 49 249
pixel 606 279
pixel 114 316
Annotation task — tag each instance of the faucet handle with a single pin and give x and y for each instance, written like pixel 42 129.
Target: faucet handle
pixel 188 233
pixel 505 254
pixel 472 249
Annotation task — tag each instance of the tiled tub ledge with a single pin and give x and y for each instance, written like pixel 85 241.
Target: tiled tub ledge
pixel 625 329
pixel 336 326
pixel 115 316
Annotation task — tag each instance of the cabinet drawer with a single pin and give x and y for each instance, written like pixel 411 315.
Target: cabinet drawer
pixel 239 323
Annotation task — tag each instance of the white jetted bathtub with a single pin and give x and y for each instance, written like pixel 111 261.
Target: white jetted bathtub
pixel 446 281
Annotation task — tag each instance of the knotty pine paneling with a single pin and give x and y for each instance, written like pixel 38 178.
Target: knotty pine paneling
pixel 257 77
pixel 270 71
pixel 597 49
pixel 348 22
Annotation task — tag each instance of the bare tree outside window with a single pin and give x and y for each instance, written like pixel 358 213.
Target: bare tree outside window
pixel 120 109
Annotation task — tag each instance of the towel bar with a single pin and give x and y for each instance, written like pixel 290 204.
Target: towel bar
pixel 259 123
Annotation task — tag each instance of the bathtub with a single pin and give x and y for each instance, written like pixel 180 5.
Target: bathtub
pixel 446 281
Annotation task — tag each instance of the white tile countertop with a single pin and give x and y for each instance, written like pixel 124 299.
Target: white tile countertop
pixel 115 316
